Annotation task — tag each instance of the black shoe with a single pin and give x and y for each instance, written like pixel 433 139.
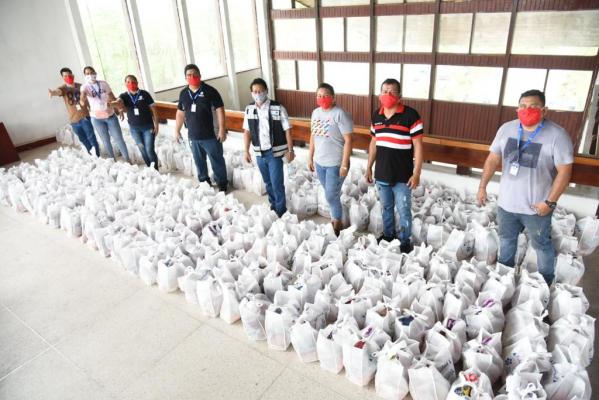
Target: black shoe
pixel 406 247
pixel 385 238
pixel 224 188
pixel 208 181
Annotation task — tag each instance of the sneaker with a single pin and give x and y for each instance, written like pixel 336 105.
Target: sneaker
pixel 224 188
pixel 385 238
pixel 406 247
pixel 208 181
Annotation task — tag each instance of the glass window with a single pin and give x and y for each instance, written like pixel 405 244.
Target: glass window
pixel 383 71
pixel 331 3
pixel 286 74
pixel 557 32
pixel 419 33
pixel 567 90
pixel 490 33
pixel 519 80
pixel 108 39
pixel 358 34
pixel 163 42
pixel 389 33
pixel 207 38
pixel 468 84
pixel 308 76
pixel 455 33
pixel 295 34
pixel 244 34
pixel 332 34
pixel 282 4
pixel 348 78
pixel 416 81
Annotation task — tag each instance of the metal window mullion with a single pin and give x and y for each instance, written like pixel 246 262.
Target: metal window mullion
pixel 76 23
pixel 472 26
pixel 228 42
pixel 140 46
pixel 185 28
pixel 265 44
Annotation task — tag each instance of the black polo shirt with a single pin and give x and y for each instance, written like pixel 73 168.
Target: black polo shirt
pixel 200 124
pixel 143 101
pixel 394 150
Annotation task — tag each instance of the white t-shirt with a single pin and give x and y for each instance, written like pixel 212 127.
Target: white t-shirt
pixel 328 128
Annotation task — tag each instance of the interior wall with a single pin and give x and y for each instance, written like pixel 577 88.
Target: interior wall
pixel 243 85
pixel 36 41
pixel 221 84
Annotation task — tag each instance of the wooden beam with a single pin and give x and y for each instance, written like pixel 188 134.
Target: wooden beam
pixel 466 154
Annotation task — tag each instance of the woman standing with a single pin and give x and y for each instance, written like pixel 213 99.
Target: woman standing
pixel 99 96
pixel 142 118
pixel 330 148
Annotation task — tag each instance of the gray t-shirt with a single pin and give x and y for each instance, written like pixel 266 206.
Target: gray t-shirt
pixel 328 128
pixel 550 147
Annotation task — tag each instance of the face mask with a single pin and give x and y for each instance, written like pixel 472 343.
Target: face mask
pixel 132 86
pixel 69 79
pixel 260 97
pixel 194 80
pixel 388 100
pixel 90 78
pixel 325 102
pixel 530 116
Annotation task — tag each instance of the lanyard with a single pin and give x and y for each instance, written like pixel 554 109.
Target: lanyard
pixel 134 99
pixel 194 97
pixel 96 93
pixel 530 138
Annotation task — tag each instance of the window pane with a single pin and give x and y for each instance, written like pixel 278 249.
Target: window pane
pixel 163 42
pixel 295 34
pixel 384 71
pixel 109 42
pixel 419 33
pixel 416 81
pixel 286 74
pixel 358 34
pixel 464 84
pixel 557 32
pixel 308 77
pixel 567 90
pixel 349 78
pixel 389 33
pixel 455 33
pixel 206 37
pixel 244 35
pixel 330 3
pixel 519 80
pixel 490 33
pixel 332 34
pixel 282 4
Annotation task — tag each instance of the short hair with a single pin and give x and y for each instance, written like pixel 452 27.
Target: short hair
pixel 259 81
pixel 65 69
pixel 88 67
pixel 132 77
pixel 327 87
pixel 533 92
pixel 392 81
pixel 191 66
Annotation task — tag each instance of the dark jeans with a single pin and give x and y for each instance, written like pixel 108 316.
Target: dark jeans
pixel 144 138
pixel 271 169
pixel 85 132
pixel 397 196
pixel 539 234
pixel 213 149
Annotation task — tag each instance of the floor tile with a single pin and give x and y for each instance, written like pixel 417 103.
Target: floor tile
pixel 291 385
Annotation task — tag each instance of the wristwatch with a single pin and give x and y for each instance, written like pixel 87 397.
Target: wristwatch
pixel 551 204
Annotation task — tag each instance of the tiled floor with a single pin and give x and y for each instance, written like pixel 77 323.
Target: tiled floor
pixel 75 325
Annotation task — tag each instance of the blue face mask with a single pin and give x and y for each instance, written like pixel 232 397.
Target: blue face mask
pixel 260 97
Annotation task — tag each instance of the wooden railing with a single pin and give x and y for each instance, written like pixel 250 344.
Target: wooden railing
pixel 585 170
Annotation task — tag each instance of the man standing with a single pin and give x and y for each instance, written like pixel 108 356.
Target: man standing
pixel 537 158
pixel 78 115
pixel 196 102
pixel 266 126
pixel 396 146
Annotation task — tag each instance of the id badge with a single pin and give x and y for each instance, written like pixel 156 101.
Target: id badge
pixel 193 107
pixel 514 167
pixel 78 107
pixel 136 111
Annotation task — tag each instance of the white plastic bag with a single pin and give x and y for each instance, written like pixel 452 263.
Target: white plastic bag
pixel 568 269
pixel 252 310
pixel 393 361
pixel 426 382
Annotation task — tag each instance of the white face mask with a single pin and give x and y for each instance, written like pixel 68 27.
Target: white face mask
pixel 90 78
pixel 260 97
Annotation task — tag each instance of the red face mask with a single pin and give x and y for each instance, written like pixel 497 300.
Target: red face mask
pixel 388 100
pixel 530 116
pixel 324 102
pixel 194 80
pixel 132 86
pixel 69 79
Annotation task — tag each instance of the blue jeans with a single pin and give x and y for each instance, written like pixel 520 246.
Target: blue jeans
pixel 107 127
pixel 144 138
pixel 271 169
pixel 400 196
pixel 85 132
pixel 539 234
pixel 331 182
pixel 214 150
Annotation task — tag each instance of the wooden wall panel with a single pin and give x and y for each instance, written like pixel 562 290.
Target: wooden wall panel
pixel 557 5
pixel 357 106
pixel 345 11
pixel 405 8
pixel 452 7
pixel 473 122
pixel 294 55
pixel 553 62
pixel 298 104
